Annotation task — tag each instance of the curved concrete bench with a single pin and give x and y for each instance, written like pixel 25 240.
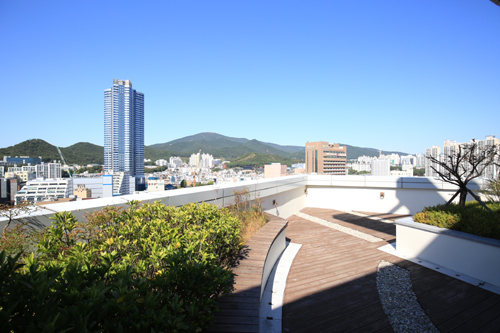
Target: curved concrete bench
pixel 240 311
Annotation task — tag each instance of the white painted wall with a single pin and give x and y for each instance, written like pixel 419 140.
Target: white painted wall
pixel 474 256
pixel 401 195
pixel 275 251
pixel 287 191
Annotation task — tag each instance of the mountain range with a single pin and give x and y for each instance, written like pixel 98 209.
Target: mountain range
pixel 239 151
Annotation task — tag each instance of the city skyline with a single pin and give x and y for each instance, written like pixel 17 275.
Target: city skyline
pixel 397 76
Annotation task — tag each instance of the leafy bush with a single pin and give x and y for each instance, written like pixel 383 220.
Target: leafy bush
pixel 19 239
pixel 472 218
pixel 146 268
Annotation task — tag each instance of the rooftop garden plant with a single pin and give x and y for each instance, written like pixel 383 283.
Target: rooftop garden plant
pixel 145 268
pixel 249 212
pixel 471 218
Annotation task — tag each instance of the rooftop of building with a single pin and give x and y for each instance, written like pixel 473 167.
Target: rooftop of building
pixel 334 280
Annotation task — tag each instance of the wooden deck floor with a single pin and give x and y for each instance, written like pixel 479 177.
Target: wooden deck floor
pixel 331 286
pixel 240 311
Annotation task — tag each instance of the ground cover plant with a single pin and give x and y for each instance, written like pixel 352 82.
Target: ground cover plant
pixel 471 218
pixel 145 268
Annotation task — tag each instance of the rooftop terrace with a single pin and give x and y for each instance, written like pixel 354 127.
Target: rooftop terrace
pixel 335 281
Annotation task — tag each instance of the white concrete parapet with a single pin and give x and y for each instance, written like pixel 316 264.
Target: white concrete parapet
pixel 284 196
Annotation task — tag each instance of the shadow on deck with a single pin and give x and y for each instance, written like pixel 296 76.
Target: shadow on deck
pixel 332 284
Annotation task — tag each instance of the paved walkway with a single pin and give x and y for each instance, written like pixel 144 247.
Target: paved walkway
pixel 331 286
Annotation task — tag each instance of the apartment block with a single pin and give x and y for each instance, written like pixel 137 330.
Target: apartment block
pixel 48 170
pixel 22 176
pixel 435 152
pixel 326 158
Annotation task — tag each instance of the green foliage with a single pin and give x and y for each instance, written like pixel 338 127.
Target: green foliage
pixel 79 153
pixel 493 190
pixel 83 153
pixel 215 144
pixel 354 172
pixel 157 169
pixel 472 218
pixel 142 269
pixel 419 172
pixel 183 183
pixel 258 160
pixel 92 169
pixel 249 212
pixel 19 239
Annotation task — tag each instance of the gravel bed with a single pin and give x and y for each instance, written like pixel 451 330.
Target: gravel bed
pixel 399 301
pixel 339 227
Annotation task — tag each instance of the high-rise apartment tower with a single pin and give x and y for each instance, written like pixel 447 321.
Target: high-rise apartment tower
pixel 124 129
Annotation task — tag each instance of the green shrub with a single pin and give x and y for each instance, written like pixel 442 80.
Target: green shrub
pixel 145 268
pixel 472 218
pixel 19 239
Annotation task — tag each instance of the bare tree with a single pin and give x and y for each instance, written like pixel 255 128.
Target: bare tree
pixel 465 163
pixel 11 212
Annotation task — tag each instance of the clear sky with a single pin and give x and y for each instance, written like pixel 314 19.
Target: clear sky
pixel 394 75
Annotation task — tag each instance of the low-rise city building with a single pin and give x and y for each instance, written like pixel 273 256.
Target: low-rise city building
pixel 82 192
pixel 22 160
pixel 155 184
pixel 43 189
pixel 274 170
pixel 22 176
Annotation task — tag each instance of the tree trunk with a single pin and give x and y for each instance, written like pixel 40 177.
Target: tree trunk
pixel 463 197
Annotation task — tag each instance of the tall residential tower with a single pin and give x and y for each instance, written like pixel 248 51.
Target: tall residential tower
pixel 124 129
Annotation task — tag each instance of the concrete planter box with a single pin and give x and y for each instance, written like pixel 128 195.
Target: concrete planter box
pixel 475 256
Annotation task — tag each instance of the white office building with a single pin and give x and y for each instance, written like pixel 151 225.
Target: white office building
pixel 45 190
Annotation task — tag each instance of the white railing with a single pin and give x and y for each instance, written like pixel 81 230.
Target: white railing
pixel 287 195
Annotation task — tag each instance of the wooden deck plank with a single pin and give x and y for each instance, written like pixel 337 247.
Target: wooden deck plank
pixel 453 323
pixel 332 282
pixel 481 321
pixel 240 311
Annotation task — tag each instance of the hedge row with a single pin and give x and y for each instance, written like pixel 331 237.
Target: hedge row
pixel 472 218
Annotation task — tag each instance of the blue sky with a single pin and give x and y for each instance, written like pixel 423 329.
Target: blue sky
pixel 393 75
